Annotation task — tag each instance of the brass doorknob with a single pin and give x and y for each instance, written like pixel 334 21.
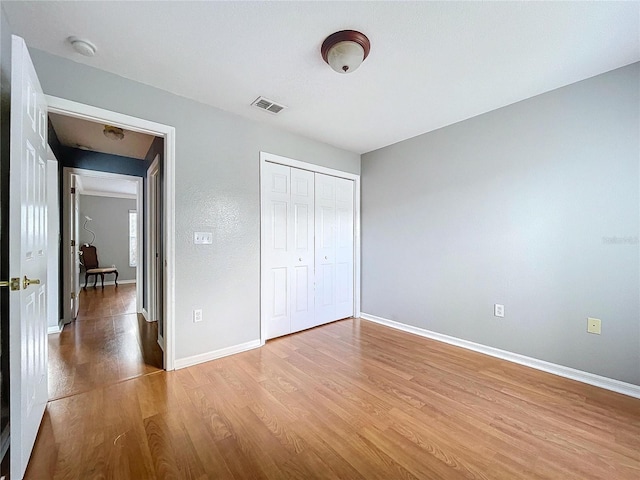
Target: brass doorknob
pixel 28 281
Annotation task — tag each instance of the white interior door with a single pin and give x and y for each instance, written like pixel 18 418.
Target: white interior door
pixel 334 248
pixel 70 247
pixel 301 258
pixel 75 247
pixel 153 249
pixel 27 257
pixel 276 258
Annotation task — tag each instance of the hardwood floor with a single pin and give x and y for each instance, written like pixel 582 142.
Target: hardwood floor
pixel 106 344
pixel 349 400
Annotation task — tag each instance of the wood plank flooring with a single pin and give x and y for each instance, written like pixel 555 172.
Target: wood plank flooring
pixel 106 344
pixel 349 400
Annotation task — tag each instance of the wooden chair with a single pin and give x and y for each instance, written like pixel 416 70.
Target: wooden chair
pixel 91 266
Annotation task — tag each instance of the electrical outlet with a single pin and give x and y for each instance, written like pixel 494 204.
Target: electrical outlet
pixel 203 238
pixel 594 325
pixel 498 310
pixel 197 315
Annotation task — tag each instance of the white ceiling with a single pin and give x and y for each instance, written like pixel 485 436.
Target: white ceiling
pixel 431 63
pixel 106 187
pixel 73 132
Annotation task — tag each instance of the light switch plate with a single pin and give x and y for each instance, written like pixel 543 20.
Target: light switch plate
pixel 203 238
pixel 594 325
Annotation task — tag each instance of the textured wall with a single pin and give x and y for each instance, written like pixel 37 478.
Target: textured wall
pixel 217 190
pixel 110 222
pixel 535 206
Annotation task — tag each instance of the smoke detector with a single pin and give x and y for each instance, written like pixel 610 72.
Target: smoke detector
pixel 268 105
pixel 83 47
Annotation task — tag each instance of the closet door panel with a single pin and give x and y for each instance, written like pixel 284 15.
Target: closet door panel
pixel 275 277
pixel 302 258
pixel 344 247
pixel 325 298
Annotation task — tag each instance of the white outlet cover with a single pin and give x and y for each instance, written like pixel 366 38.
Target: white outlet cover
pixel 594 325
pixel 203 238
pixel 498 310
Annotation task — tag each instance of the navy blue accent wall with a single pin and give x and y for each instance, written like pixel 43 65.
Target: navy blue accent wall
pixel 103 162
pixel 157 148
pixel 54 142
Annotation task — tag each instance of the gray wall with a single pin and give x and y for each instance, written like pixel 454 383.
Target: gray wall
pixel 217 190
pixel 534 206
pixel 110 222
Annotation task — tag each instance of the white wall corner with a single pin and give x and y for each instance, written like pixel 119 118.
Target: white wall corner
pixel 223 352
pixel 555 369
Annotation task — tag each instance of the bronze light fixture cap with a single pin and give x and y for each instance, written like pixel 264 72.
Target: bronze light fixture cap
pixel 344 51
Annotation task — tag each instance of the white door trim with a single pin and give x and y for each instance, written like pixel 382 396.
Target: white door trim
pixel 151 241
pixel 290 162
pixel 91 113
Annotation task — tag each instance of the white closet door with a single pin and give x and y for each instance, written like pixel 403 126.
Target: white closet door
pixel 325 299
pixel 334 248
pixel 344 247
pixel 302 271
pixel 276 199
pixel 287 264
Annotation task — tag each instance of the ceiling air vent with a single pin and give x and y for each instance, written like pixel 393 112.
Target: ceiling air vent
pixel 268 105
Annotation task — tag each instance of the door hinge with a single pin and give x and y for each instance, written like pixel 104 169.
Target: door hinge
pixel 73 243
pixel 73 190
pixel 73 295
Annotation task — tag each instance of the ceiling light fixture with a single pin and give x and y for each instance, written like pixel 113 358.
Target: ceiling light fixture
pixel 113 133
pixel 344 51
pixel 83 47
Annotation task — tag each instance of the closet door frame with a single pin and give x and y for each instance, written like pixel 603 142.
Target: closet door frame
pixel 289 162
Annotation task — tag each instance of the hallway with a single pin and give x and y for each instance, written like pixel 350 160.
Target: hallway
pixel 108 343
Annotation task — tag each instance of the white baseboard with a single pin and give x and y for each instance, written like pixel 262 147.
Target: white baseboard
pixel 560 370
pixel 161 341
pixel 223 352
pixel 54 329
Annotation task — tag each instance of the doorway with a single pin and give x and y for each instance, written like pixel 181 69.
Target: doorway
pixel 108 200
pixel 105 339
pixel 167 134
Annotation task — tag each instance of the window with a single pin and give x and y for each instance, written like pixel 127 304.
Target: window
pixel 133 238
